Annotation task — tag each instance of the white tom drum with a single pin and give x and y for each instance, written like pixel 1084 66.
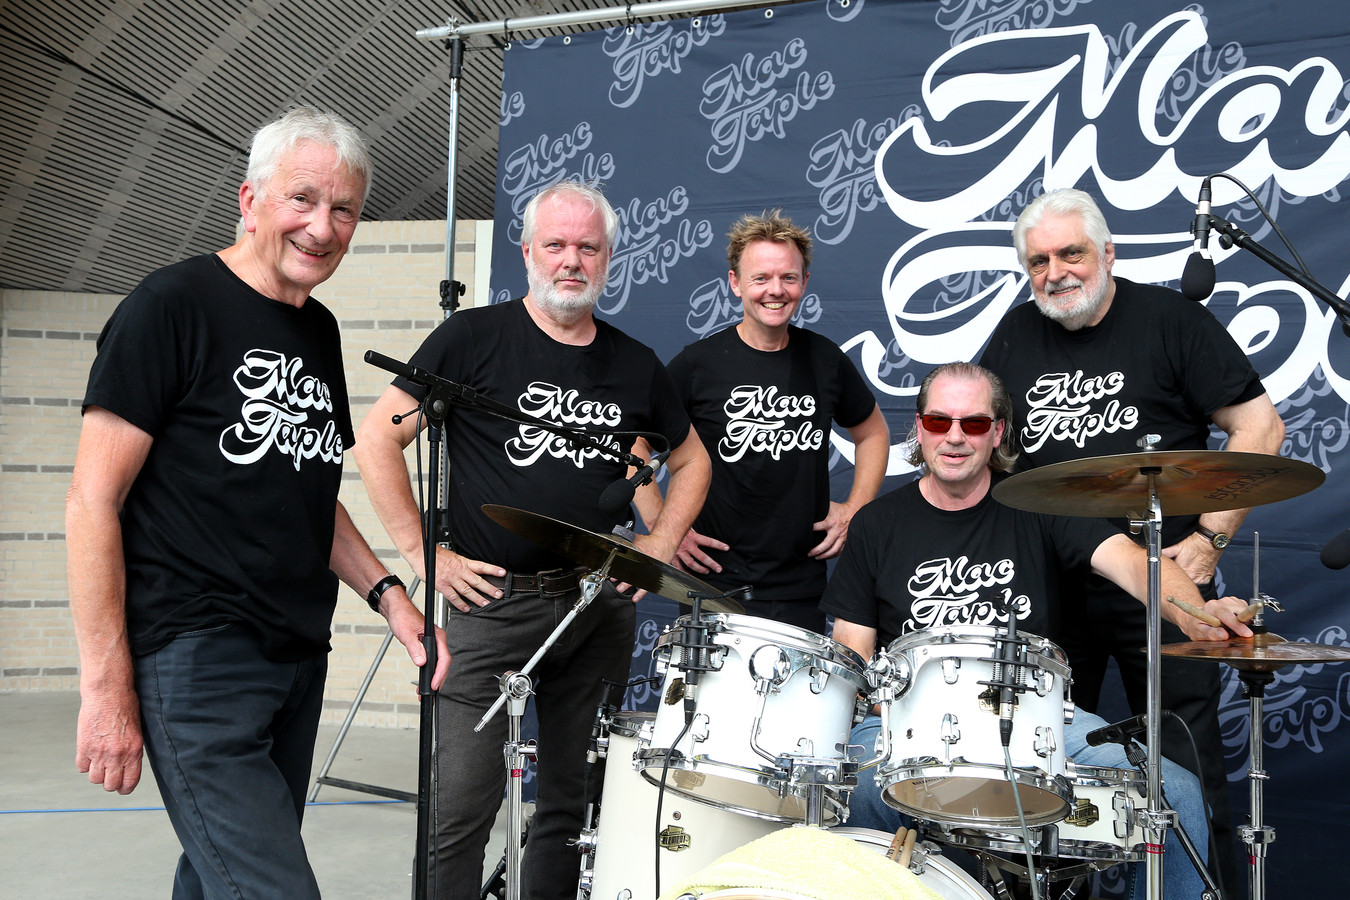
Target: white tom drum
pixel 621 860
pixel 767 691
pixel 946 761
pixel 1103 823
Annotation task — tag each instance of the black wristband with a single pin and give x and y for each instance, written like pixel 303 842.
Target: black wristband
pixel 384 584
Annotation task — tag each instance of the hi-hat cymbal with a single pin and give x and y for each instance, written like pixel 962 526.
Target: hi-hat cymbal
pixel 589 549
pixel 1188 482
pixel 1259 653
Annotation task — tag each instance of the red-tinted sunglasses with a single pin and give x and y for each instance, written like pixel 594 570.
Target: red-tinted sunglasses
pixel 969 424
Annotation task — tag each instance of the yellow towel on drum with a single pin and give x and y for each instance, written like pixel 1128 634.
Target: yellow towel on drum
pixel 806 862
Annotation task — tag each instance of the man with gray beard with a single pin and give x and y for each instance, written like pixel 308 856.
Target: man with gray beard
pixel 547 356
pixel 1094 364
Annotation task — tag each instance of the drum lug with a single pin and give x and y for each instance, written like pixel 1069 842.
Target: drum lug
pixel 949 666
pixel 699 731
pixel 1125 818
pixel 950 732
pixel 1045 741
pixel 819 679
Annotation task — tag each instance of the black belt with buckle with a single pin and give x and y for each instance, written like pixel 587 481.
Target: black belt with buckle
pixel 552 583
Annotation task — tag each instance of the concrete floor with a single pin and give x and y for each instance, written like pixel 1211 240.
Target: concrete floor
pixel 62 837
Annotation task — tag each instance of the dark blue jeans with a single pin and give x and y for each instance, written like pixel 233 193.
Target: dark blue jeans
pixel 230 736
pixel 470 773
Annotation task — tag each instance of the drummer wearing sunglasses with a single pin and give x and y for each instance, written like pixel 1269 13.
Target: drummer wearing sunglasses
pixel 942 550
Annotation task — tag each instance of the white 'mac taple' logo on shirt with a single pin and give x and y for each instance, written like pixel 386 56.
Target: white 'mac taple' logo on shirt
pixel 1060 409
pixel 761 420
pixel 277 407
pixel 564 407
pixel 947 591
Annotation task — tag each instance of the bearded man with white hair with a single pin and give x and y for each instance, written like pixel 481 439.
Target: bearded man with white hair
pixel 547 356
pixel 1092 365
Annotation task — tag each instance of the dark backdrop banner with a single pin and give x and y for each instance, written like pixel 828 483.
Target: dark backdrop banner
pixel 907 136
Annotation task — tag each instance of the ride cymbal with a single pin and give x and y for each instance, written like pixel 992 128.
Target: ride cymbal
pixel 1188 482
pixel 590 549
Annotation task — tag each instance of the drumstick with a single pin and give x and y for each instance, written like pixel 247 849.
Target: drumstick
pixel 909 847
pixel 1196 612
pixel 1246 615
pixel 897 842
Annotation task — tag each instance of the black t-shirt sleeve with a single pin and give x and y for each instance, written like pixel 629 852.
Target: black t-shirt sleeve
pixel 851 592
pixel 126 378
pixel 856 401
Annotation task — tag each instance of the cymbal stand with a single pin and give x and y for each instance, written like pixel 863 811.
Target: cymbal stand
pixel 1156 819
pixel 516 688
pixel 1256 834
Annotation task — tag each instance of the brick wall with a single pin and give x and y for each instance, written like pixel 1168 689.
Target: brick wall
pixel 386 298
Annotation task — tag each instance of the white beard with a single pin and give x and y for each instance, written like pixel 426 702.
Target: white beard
pixel 565 308
pixel 1079 314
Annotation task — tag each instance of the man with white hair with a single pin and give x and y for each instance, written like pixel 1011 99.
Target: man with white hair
pixel 203 528
pixel 1094 364
pixel 546 355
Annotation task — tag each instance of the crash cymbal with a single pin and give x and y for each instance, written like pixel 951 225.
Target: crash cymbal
pixel 589 549
pixel 1259 653
pixel 1188 482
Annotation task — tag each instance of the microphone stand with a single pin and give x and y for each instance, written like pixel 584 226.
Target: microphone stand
pixel 1232 235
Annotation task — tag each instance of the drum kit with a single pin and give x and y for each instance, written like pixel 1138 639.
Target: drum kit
pixel 751 732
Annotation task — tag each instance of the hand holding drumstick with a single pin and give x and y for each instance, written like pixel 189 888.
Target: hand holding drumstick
pixel 1232 614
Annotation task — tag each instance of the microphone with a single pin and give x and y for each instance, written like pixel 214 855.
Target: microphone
pixel 1118 733
pixel 1197 278
pixel 1009 676
pixel 1336 554
pixel 615 498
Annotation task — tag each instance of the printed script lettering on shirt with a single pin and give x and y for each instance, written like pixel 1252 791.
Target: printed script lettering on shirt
pixel 1061 409
pixel 948 591
pixel 563 407
pixel 760 420
pixel 277 411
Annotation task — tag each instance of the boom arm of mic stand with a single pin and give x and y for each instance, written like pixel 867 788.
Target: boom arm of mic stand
pixel 1250 244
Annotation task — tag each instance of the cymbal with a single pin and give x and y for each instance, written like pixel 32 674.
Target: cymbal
pixel 589 549
pixel 1259 653
pixel 1188 482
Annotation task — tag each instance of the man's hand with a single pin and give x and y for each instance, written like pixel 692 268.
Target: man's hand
pixel 691 557
pixel 461 580
pixel 406 621
pixel 1197 557
pixel 108 739
pixel 835 526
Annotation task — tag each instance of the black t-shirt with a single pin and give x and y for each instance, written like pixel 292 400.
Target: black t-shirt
pixel 231 517
pixel 908 565
pixel 764 418
pixel 1156 363
pixel 614 384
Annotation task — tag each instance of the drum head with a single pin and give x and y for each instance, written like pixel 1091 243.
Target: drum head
pixel 983 798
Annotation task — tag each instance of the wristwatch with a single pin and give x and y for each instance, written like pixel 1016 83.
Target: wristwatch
pixel 1217 538
pixel 384 584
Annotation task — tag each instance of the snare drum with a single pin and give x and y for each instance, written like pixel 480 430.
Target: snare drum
pixel 946 761
pixel 621 861
pixel 770 692
pixel 1103 823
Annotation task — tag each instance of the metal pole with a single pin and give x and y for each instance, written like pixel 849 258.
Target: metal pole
pixel 584 17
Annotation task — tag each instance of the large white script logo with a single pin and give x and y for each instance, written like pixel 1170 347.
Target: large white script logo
pixel 1286 126
pixel 564 407
pixel 761 420
pixel 276 411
